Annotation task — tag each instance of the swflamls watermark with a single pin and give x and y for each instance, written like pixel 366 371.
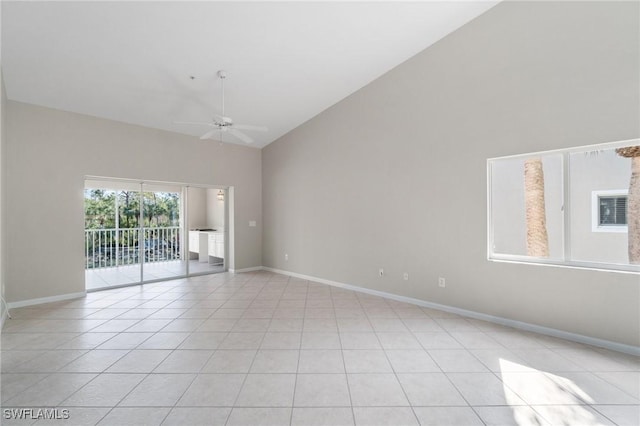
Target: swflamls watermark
pixel 35 414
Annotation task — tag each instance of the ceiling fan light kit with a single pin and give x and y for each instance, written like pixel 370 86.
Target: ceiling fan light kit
pixel 223 124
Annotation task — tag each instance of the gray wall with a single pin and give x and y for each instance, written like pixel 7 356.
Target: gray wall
pixel 205 210
pixel 48 154
pixel 3 139
pixel 394 176
pixel 197 208
pixel 215 210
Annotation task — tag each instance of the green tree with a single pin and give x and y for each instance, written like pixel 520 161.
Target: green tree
pixel 130 208
pixel 99 209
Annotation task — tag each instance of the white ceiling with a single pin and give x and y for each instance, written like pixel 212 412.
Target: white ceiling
pixel 286 61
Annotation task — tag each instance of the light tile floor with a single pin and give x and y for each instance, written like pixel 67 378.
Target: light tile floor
pixel 266 349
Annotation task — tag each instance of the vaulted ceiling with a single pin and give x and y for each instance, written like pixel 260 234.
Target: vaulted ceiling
pixel 154 63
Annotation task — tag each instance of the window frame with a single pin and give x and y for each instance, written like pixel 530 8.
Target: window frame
pixel 566 259
pixel 596 226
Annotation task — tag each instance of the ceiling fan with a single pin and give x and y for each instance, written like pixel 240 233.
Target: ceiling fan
pixel 223 124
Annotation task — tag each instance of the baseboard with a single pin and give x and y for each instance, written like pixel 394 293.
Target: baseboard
pixel 41 300
pixel 574 337
pixel 252 269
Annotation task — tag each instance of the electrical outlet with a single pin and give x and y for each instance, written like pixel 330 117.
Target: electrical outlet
pixel 442 282
pixel 286 257
pixel 380 272
pixel 405 276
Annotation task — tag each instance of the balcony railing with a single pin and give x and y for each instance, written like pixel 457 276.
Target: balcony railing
pixel 105 248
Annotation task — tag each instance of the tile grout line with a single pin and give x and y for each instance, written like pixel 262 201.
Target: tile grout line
pixel 295 383
pixel 395 374
pixel 344 363
pixel 244 381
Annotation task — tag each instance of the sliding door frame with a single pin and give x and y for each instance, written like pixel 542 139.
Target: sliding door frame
pixel 184 227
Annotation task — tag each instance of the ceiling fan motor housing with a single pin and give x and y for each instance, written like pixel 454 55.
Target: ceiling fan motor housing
pixel 222 121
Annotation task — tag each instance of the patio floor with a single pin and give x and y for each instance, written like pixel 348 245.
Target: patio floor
pixel 130 274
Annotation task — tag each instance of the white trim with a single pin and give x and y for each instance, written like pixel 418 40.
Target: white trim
pixel 583 148
pixel 5 315
pixel 110 179
pixel 5 311
pixel 574 264
pixel 41 300
pixel 574 337
pixel 490 244
pixel 566 207
pixel 595 210
pixel 252 269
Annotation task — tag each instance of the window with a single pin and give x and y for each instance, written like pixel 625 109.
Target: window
pixel 609 211
pixel 566 207
pixel 613 211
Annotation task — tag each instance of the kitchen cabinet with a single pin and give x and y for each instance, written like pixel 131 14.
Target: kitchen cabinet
pixel 216 244
pixel 198 243
pixel 206 244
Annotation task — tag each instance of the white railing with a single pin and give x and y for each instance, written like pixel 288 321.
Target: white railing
pixel 105 248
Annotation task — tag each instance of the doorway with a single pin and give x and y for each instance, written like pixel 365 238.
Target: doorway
pixel 136 232
pixel 207 219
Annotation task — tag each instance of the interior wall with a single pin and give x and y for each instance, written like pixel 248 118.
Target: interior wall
pixel 394 176
pixel 205 210
pixel 197 208
pixel 49 153
pixel 215 210
pixel 3 100
pixel 3 138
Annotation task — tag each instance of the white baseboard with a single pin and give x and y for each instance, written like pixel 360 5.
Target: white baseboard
pixel 41 300
pixel 574 337
pixel 252 269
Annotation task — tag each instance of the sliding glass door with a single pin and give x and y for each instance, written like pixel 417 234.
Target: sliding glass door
pixel 163 232
pixel 111 234
pixel 140 232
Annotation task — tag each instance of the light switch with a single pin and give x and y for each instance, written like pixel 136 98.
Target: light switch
pixel 252 223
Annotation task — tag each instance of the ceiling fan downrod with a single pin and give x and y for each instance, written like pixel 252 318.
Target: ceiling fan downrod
pixel 222 74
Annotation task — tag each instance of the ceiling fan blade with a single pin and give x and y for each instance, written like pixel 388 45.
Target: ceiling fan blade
pixel 250 127
pixel 209 134
pixel 201 123
pixel 238 134
pixel 224 124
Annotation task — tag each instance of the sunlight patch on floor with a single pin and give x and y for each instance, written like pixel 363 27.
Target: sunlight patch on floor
pixel 555 399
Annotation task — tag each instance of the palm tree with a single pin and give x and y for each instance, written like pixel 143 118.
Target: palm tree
pixel 633 202
pixel 131 208
pixel 537 238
